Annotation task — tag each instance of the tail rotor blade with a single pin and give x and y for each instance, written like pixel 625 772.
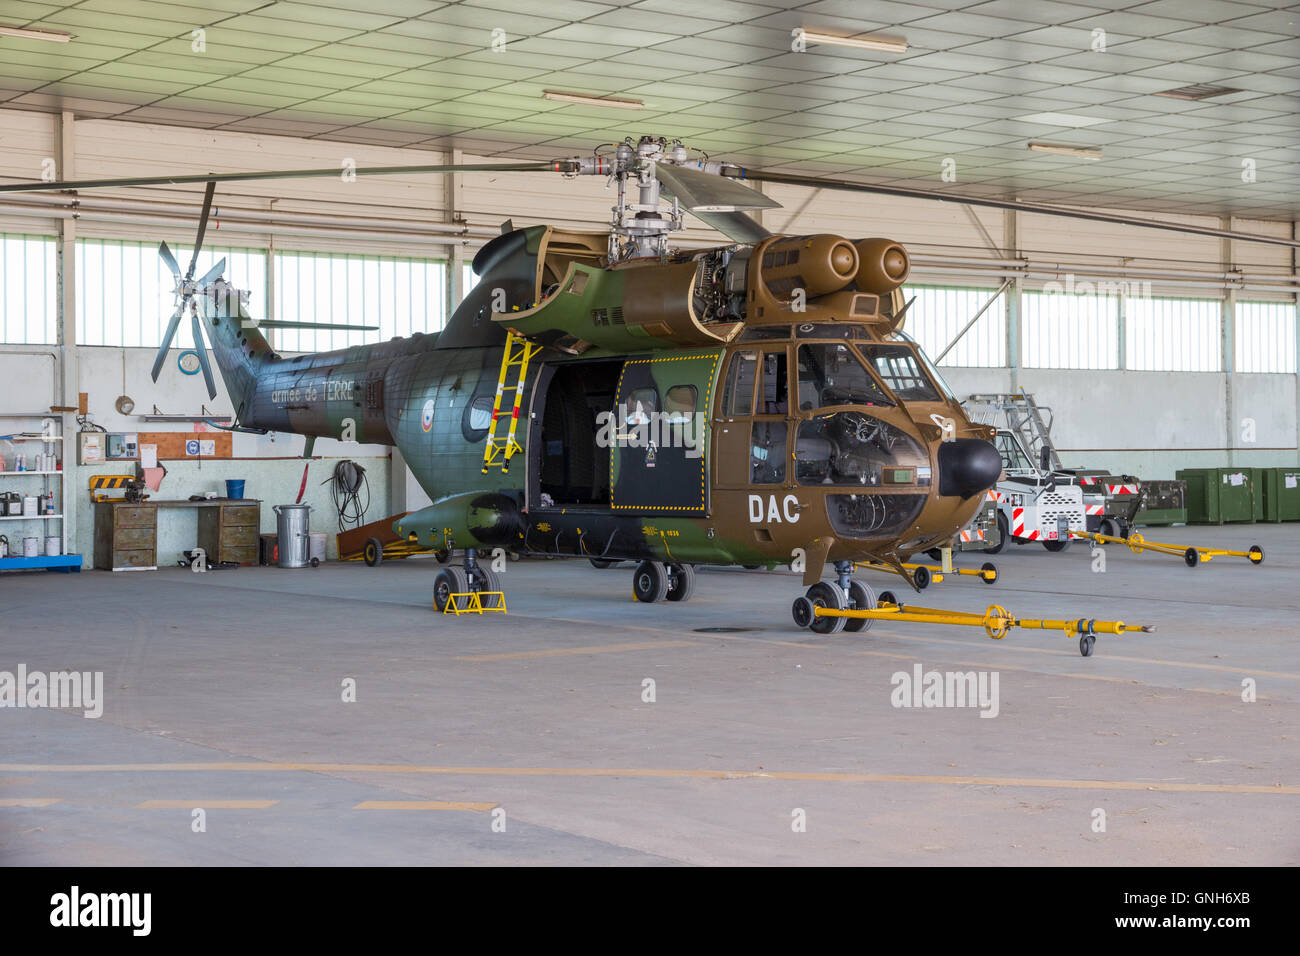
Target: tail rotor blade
pixel 170 259
pixel 213 273
pixel 203 226
pixel 172 326
pixel 202 349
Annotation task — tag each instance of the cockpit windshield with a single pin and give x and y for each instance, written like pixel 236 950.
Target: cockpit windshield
pixel 830 374
pixel 901 372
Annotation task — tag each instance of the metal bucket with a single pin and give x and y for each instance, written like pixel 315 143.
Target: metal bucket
pixel 316 546
pixel 291 525
pixel 53 546
pixel 31 547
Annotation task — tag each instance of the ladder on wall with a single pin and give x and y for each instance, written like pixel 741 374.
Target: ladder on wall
pixel 502 447
pixel 1021 415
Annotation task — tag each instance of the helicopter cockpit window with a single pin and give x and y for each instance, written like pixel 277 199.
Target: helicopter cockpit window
pixel 738 395
pixel 767 453
pixel 1013 456
pixel 930 367
pixel 642 403
pixel 774 400
pixel 898 368
pixel 830 374
pixel 679 404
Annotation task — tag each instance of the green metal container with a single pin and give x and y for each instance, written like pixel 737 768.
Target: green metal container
pixel 1219 495
pixel 1163 503
pixel 1280 493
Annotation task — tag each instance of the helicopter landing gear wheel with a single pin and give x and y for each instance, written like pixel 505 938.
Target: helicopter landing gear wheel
pixel 487 580
pixel 448 582
pixel 442 556
pixel 650 582
pixel 373 552
pixel 861 598
pixel 828 595
pixel 681 582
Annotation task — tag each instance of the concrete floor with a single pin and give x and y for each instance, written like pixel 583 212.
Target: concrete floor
pixel 227 687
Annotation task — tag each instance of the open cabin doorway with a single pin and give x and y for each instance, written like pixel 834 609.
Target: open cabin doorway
pixel 569 466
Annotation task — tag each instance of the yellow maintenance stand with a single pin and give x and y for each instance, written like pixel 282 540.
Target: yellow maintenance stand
pixel 1192 556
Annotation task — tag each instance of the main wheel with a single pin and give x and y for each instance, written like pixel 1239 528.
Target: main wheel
pixel 1003 533
pixel 448 582
pixel 602 564
pixel 650 582
pixel 373 551
pixel 488 581
pixel 861 598
pixel 827 595
pixel 681 582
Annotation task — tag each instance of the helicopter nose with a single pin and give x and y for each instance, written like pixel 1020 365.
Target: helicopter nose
pixel 968 466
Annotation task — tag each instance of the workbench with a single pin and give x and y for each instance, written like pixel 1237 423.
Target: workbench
pixel 126 533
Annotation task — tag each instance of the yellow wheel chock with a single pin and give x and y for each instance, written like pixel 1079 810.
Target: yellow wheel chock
pixel 473 601
pixel 926 574
pixel 1192 556
pixel 996 621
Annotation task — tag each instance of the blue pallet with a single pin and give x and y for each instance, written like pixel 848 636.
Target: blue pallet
pixel 57 562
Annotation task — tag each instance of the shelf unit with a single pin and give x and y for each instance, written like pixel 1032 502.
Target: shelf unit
pixel 56 481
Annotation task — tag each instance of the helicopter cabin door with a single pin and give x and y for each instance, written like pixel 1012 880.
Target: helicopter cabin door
pixel 660 455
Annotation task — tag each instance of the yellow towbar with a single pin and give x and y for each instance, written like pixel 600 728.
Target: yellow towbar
pixel 926 574
pixel 1192 556
pixel 996 620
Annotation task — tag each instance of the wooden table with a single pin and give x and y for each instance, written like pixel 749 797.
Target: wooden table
pixel 126 533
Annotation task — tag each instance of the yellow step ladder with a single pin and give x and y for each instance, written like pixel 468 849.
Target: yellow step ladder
pixel 501 448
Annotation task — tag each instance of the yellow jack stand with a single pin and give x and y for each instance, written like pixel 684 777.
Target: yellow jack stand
pixel 474 603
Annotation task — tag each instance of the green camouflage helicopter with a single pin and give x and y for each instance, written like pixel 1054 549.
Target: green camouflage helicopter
pixel 757 403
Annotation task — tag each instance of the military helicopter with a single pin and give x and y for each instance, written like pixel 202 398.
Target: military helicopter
pixel 757 403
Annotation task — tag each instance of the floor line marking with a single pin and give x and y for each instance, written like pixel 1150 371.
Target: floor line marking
pixel 571 651
pixel 206 804
pixel 28 801
pixel 661 773
pixel 424 805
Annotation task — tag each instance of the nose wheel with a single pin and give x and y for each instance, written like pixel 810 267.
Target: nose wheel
pixel 829 594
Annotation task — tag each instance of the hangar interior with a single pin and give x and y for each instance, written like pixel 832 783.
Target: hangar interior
pixel 1156 351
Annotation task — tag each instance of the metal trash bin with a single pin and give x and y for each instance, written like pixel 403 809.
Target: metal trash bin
pixel 292 523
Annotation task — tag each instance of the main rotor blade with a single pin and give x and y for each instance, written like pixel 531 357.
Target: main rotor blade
pixel 213 273
pixel 172 326
pixel 197 328
pixel 169 259
pixel 817 182
pixel 736 226
pixel 203 227
pixel 557 166
pixel 704 192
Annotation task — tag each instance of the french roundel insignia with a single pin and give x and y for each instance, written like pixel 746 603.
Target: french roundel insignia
pixel 426 417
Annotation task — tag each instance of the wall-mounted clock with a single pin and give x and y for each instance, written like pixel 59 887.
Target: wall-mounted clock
pixel 188 362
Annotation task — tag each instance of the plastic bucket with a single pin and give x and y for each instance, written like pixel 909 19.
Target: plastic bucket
pixel 291 526
pixel 316 545
pixel 53 546
pixel 31 547
pixel 235 487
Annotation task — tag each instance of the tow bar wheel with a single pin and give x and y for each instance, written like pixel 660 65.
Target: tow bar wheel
pixel 1256 554
pixel 373 552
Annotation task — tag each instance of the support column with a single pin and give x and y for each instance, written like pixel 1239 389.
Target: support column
pixel 453 194
pixel 65 372
pixel 1227 334
pixel 1011 240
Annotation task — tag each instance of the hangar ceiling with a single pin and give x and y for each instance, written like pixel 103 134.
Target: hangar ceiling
pixel 977 83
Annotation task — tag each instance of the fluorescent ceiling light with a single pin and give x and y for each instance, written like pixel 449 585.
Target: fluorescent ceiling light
pixel 50 35
pixel 883 44
pixel 1073 120
pixel 587 99
pixel 1061 149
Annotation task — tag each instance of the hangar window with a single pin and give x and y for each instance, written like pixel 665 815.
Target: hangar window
pixel 1075 327
pixel 1172 335
pixel 125 293
pixel 1264 340
pixel 939 313
pixel 27 293
pixel 401 296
